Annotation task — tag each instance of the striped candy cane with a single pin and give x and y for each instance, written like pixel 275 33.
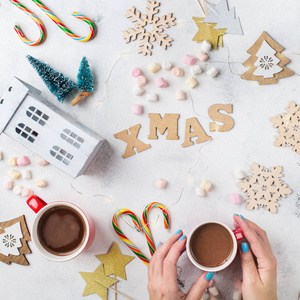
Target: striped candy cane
pixel 64 28
pixel 37 22
pixel 146 223
pixel 121 235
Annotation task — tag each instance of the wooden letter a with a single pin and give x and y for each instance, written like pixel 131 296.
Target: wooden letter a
pixel 197 131
pixel 131 140
pixel 169 121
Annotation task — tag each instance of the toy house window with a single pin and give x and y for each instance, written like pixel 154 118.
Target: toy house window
pixel 37 115
pixel 61 155
pixel 26 132
pixel 72 138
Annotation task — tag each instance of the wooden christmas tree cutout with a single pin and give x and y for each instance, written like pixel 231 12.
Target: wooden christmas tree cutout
pixel 14 236
pixel 264 188
pixel 266 64
pixel 288 128
pixel 158 26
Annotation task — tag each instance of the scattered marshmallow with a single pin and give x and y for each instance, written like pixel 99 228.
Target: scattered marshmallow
pixel 138 91
pixel 189 60
pixel 152 97
pixel 235 198
pixel 41 183
pixel 136 72
pixel 7 184
pixel 239 174
pixel 166 66
pixel 202 56
pixel 180 95
pixel 13 174
pixel 178 72
pixel 196 70
pixel 17 190
pixel 26 192
pixel 26 174
pixel 137 109
pixel 161 83
pixel 237 295
pixel 23 161
pixel 154 67
pixel 212 72
pixel 13 161
pixel 200 192
pixel 141 81
pixel 192 82
pixel 205 46
pixel 213 291
pixel 1 156
pixel 41 162
pixel 161 183
pixel 206 185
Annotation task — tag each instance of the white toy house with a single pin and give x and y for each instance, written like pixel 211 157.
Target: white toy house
pixel 43 129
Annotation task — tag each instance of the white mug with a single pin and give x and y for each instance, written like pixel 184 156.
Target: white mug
pixel 236 235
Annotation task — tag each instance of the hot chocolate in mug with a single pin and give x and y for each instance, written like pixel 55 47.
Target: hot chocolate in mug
pixel 212 246
pixel 60 230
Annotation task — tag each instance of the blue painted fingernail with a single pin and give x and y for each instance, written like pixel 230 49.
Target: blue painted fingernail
pixel 177 232
pixel 243 218
pixel 244 247
pixel 236 214
pixel 182 237
pixel 209 276
pixel 159 244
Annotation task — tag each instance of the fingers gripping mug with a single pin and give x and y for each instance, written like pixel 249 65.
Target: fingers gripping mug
pixel 60 230
pixel 212 246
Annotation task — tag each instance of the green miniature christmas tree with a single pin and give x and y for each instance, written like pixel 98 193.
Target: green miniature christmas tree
pixel 85 81
pixel 58 84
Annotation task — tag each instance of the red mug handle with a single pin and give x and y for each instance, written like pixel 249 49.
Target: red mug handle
pixel 239 235
pixel 36 203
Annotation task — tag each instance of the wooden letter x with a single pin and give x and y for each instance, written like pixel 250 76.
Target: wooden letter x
pixel 131 140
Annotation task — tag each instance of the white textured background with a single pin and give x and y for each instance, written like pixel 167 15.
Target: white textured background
pixel 113 183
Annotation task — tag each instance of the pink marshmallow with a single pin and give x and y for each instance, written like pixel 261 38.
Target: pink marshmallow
pixel 235 198
pixel 136 72
pixel 41 162
pixel 137 109
pixel 161 83
pixel 7 184
pixel 26 192
pixel 141 81
pixel 202 56
pixel 189 60
pixel 180 95
pixel 161 183
pixel 23 161
pixel 178 72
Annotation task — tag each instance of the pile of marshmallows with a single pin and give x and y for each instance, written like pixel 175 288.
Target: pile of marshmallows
pixel 160 82
pixel 13 175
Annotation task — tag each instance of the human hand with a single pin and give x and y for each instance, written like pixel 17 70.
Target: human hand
pixel 162 272
pixel 259 282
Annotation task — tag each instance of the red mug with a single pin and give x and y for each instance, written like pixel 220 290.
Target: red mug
pixel 39 206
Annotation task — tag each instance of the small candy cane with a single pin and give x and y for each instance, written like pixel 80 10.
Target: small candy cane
pixel 146 223
pixel 64 28
pixel 37 22
pixel 121 235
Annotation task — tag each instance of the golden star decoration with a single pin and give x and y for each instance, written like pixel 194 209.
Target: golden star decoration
pixel 97 282
pixel 207 32
pixel 114 261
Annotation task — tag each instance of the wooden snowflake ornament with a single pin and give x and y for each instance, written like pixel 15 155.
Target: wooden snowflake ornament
pixel 288 128
pixel 158 25
pixel 264 188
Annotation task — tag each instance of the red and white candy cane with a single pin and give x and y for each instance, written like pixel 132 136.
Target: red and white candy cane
pixel 146 223
pixel 121 235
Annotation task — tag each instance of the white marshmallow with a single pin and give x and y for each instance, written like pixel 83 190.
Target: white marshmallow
pixel 41 183
pixel 17 190
pixel 237 295
pixel 239 174
pixel 166 66
pixel 205 46
pixel 213 291
pixel 180 95
pixel 161 183
pixel 212 72
pixel 1 156
pixel 206 185
pixel 26 174
pixel 152 97
pixel 138 91
pixel 13 174
pixel 196 70
pixel 7 184
pixel 200 192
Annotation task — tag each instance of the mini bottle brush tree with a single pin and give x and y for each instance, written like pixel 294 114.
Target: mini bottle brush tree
pixel 85 81
pixel 58 84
